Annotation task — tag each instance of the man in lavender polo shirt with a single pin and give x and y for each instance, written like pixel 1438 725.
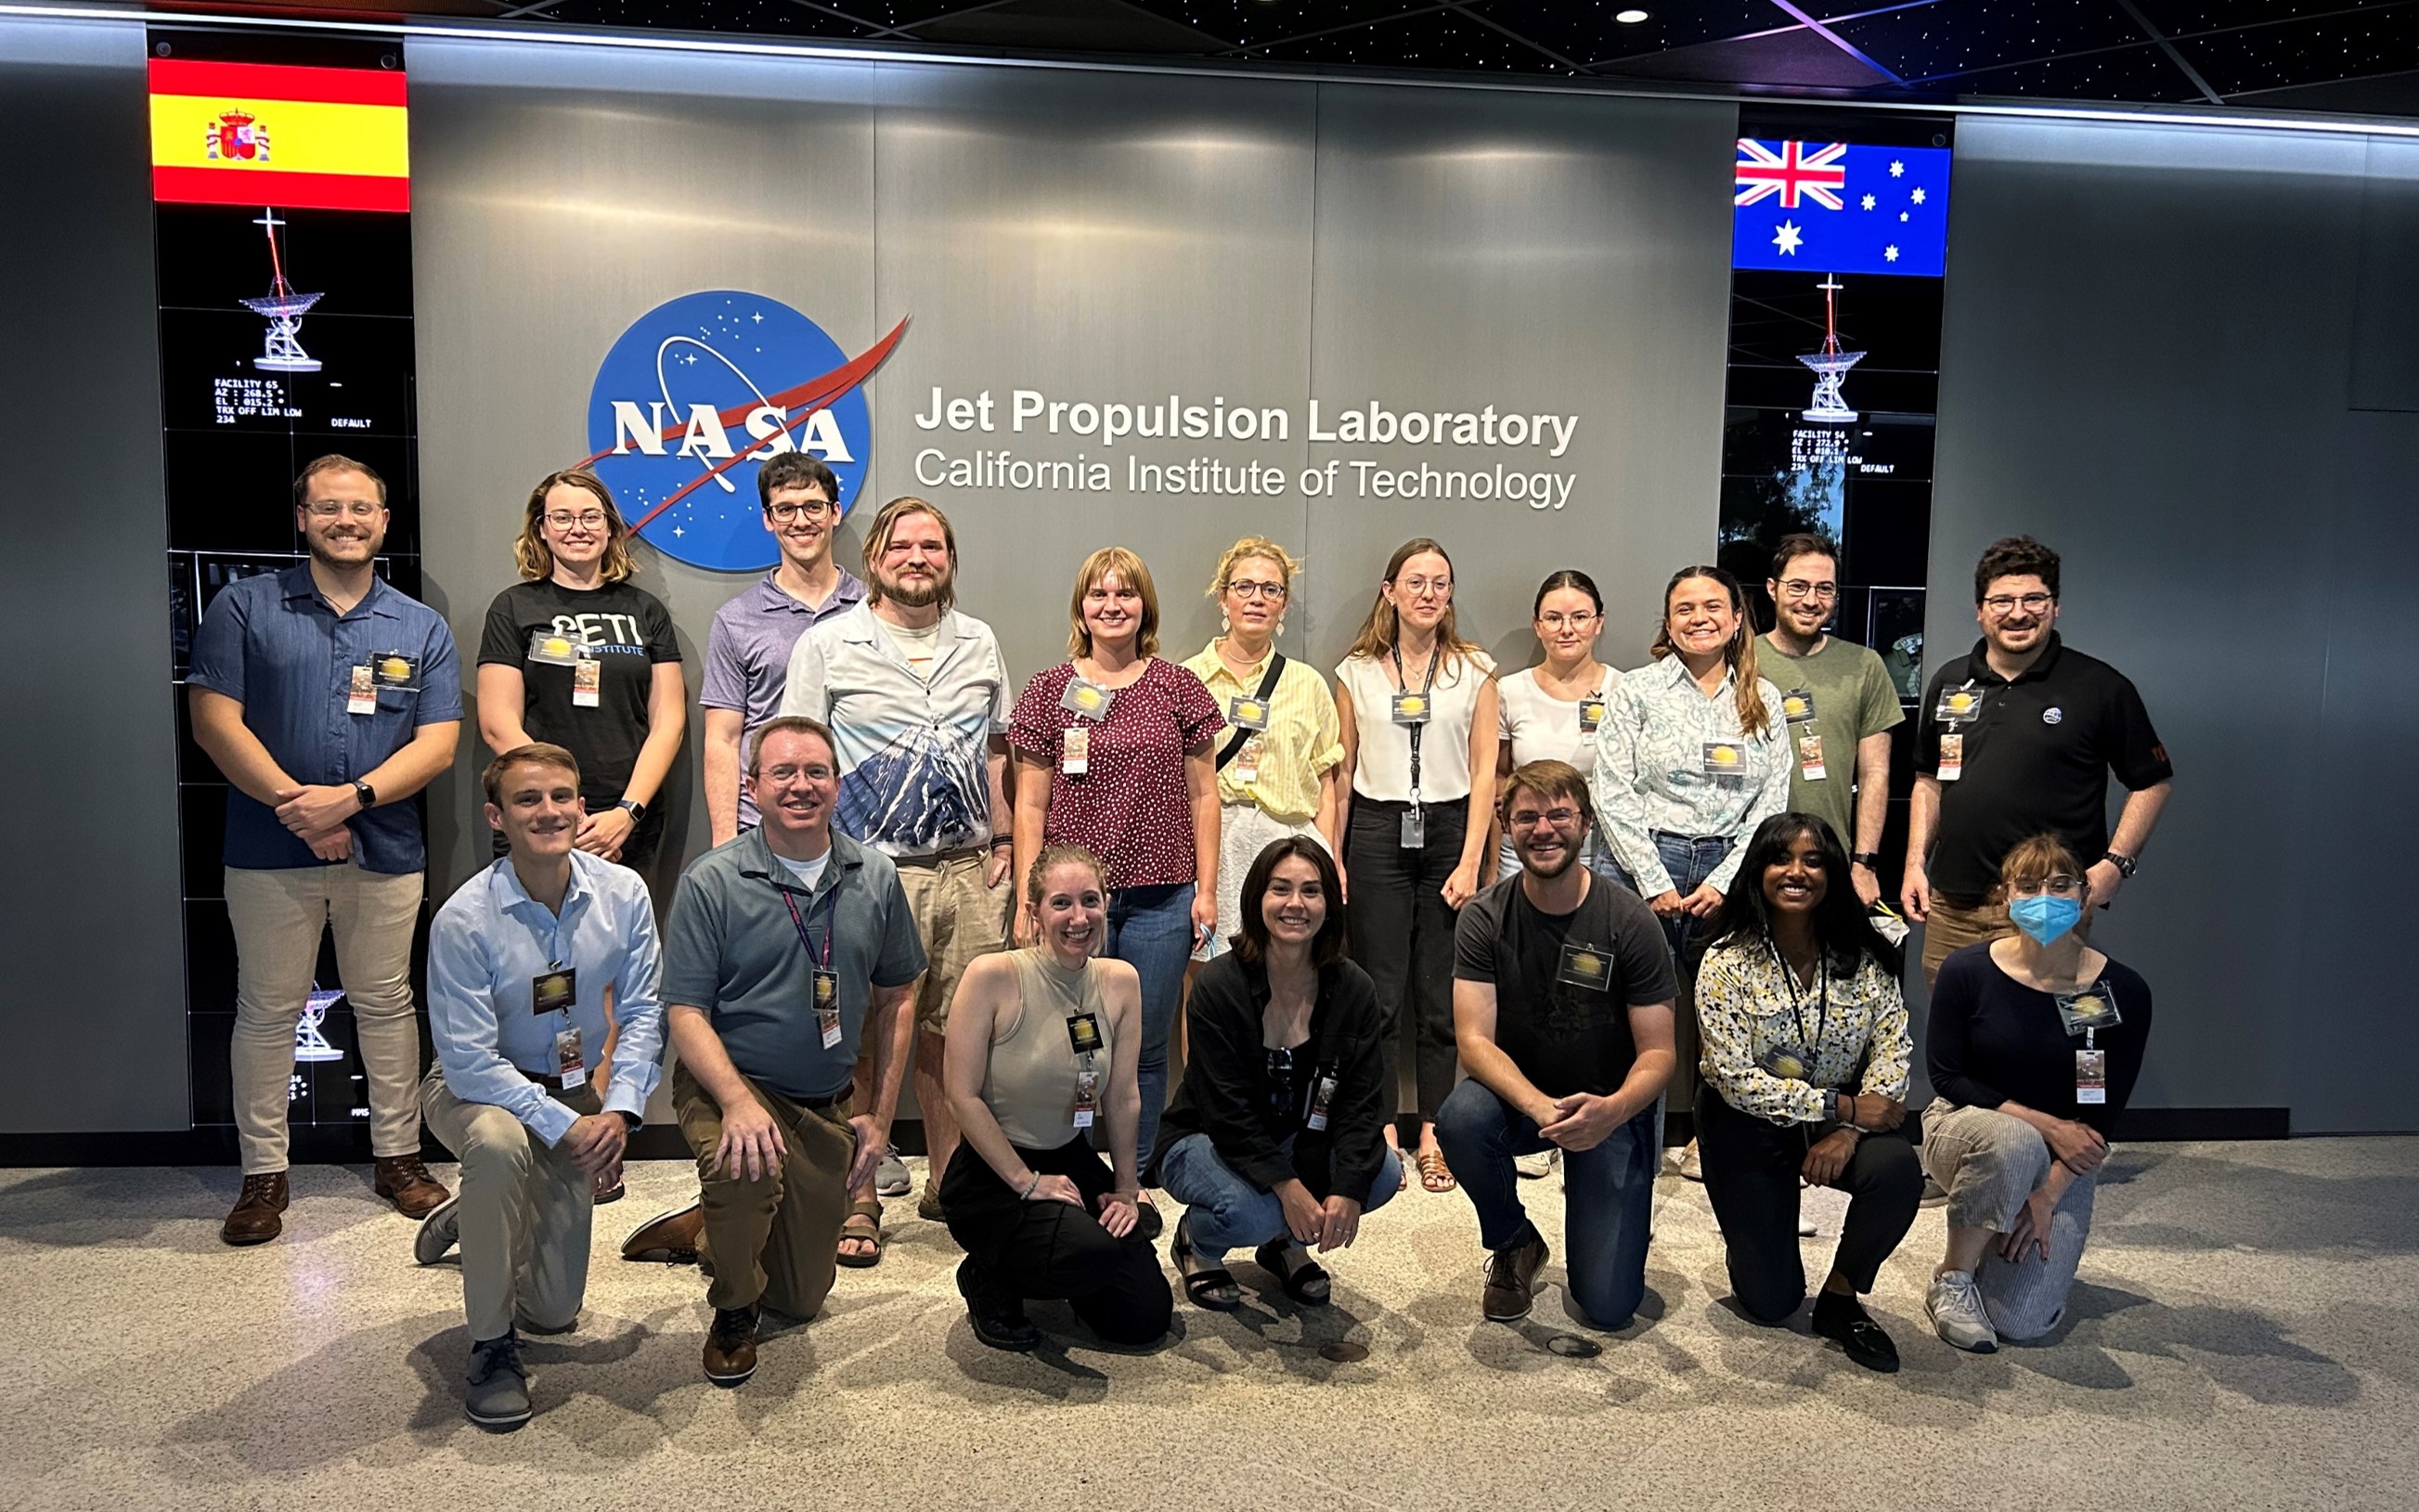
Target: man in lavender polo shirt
pixel 747 650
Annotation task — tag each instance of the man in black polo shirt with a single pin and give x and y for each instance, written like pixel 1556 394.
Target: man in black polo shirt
pixel 1561 1007
pixel 2017 738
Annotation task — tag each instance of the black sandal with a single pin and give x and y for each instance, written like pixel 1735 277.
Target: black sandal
pixel 1305 1283
pixel 1207 1286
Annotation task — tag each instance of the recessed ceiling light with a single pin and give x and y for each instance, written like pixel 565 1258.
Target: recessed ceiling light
pixel 1629 18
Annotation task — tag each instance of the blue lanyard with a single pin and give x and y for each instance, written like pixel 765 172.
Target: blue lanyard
pixel 806 938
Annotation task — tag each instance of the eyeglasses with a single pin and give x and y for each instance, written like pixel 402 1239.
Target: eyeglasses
pixel 1579 621
pixel 1425 587
pixel 2006 604
pixel 1529 819
pixel 335 508
pixel 1798 588
pixel 592 521
pixel 812 772
pixel 2060 886
pixel 786 514
pixel 1273 593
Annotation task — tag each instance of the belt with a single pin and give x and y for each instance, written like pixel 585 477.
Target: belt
pixel 963 853
pixel 1691 840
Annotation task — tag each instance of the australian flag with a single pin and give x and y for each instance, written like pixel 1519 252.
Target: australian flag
pixel 1838 207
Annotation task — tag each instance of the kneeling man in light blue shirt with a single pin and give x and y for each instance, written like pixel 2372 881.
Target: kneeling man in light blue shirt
pixel 522 961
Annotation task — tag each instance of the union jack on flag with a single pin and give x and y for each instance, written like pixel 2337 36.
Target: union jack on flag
pixel 1840 208
pixel 1819 175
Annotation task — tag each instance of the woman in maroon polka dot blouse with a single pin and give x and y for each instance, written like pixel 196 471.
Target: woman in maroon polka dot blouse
pixel 1113 752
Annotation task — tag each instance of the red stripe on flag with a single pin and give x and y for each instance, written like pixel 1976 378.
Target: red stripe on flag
pixel 286 190
pixel 276 81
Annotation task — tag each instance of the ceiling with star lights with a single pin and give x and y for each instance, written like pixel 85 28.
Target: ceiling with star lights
pixel 2255 54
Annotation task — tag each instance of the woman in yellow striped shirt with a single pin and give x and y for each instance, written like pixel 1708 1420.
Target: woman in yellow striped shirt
pixel 1278 760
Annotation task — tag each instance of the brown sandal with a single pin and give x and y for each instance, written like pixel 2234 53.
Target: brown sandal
pixel 864 1224
pixel 1434 1174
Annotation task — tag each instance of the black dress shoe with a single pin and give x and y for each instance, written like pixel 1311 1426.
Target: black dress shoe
pixel 997 1318
pixel 1845 1319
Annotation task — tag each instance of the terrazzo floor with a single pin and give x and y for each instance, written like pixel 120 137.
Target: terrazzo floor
pixel 2245 1335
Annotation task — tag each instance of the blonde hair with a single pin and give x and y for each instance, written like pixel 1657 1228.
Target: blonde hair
pixel 1054 856
pixel 1382 630
pixel 1753 718
pixel 1128 566
pixel 1252 548
pixel 535 559
pixel 877 541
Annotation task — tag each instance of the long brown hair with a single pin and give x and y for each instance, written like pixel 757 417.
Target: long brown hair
pixel 1753 718
pixel 537 559
pixel 1382 630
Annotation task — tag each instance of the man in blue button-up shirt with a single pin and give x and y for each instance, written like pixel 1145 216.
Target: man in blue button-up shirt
pixel 521 960
pixel 329 700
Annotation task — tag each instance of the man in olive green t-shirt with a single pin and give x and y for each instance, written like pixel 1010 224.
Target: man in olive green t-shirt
pixel 1839 705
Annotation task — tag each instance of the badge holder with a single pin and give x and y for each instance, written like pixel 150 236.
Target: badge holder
pixel 1796 705
pixel 1415 828
pixel 2088 1010
pixel 1075 750
pixel 1958 705
pixel 2090 1072
pixel 827 1005
pixel 1323 1102
pixel 1809 756
pixel 1952 757
pixel 587 682
pixel 1247 762
pixel 361 697
pixel 1785 1063
pixel 571 1066
pixel 1247 713
pixel 1087 1096
pixel 397 671
pixel 555 649
pixel 1408 708
pixel 1583 967
pixel 1725 760
pixel 1086 701
pixel 1592 713
pixel 554 991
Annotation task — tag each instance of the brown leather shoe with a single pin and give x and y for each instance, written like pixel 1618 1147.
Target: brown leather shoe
pixel 1511 1282
pixel 673 1238
pixel 403 1180
pixel 731 1346
pixel 254 1218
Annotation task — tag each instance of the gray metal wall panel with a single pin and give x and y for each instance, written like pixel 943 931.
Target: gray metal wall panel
pixel 93 929
pixel 2144 365
pixel 1542 254
pixel 2386 321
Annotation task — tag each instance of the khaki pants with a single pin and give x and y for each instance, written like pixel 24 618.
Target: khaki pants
pixel 277 916
pixel 1990 1163
pixel 524 1213
pixel 958 919
pixel 775 1240
pixel 1951 928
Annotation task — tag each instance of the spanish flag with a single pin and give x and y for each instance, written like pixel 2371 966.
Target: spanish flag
pixel 257 134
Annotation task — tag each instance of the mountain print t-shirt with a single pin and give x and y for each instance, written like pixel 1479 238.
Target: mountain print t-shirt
pixel 913 734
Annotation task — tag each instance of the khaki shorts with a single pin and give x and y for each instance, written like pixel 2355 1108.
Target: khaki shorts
pixel 958 919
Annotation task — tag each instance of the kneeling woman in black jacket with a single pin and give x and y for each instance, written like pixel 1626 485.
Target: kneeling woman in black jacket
pixel 1277 1137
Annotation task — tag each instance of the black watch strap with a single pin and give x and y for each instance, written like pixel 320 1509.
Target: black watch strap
pixel 1869 859
pixel 637 810
pixel 366 793
pixel 2126 866
pixel 636 1121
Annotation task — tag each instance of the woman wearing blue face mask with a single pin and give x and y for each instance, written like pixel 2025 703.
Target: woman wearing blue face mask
pixel 2035 1043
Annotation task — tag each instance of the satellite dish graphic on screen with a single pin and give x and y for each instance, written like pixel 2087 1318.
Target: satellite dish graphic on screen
pixel 282 353
pixel 1830 364
pixel 310 1041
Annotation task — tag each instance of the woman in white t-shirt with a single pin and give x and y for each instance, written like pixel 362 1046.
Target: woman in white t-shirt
pixel 1550 711
pixel 1416 704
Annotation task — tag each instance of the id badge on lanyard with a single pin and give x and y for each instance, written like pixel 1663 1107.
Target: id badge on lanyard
pixel 554 991
pixel 361 696
pixel 827 980
pixel 1410 710
pixel 1952 757
pixel 1592 712
pixel 1322 1101
pixel 2090 1073
pixel 1809 755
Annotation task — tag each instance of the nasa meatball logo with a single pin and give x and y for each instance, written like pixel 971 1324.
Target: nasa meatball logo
pixel 697 394
pixel 2053 715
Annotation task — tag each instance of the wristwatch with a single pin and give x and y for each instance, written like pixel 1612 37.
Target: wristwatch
pixel 1869 861
pixel 2126 866
pixel 366 795
pixel 638 809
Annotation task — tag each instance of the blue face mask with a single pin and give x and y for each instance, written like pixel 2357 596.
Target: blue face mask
pixel 2044 916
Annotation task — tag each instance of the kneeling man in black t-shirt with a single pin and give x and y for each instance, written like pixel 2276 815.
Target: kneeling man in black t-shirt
pixel 1561 1003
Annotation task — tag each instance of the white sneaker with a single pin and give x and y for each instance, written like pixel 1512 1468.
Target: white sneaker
pixel 439 1231
pixel 1805 1226
pixel 1954 1304
pixel 1537 1167
pixel 1692 1163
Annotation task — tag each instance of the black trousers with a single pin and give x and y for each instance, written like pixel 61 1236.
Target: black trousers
pixel 1402 931
pixel 1055 1249
pixel 1751 1167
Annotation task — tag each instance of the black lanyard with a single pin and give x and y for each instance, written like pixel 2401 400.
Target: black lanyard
pixel 1403 685
pixel 805 938
pixel 1797 1003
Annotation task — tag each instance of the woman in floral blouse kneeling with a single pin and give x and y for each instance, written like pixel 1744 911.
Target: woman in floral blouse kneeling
pixel 1805 1069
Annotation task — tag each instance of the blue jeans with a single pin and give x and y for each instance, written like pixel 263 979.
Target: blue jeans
pixel 1150 929
pixel 1223 1211
pixel 1690 861
pixel 1607 1196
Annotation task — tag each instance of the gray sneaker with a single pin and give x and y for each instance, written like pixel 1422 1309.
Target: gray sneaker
pixel 1954 1304
pixel 438 1232
pixel 890 1179
pixel 497 1394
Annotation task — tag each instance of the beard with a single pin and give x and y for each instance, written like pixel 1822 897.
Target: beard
pixel 920 593
pixel 1570 858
